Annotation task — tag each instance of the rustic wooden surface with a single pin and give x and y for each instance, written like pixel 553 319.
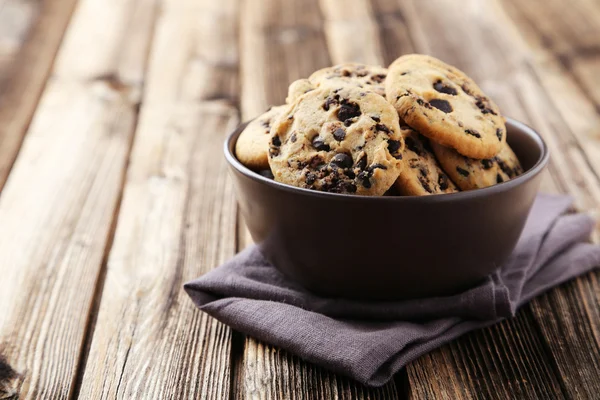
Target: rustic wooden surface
pixel 114 190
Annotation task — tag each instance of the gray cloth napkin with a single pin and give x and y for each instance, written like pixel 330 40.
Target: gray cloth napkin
pixel 371 341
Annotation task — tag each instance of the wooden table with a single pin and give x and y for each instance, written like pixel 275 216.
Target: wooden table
pixel 115 191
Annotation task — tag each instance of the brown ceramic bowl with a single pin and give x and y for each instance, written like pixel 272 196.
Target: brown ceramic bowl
pixel 389 247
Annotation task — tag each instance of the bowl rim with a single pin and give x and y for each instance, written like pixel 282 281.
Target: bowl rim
pixel 475 193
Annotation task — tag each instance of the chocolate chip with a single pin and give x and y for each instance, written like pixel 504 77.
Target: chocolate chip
pixel 361 74
pixel 346 73
pixel 383 128
pixel 350 187
pixel 266 124
pixel 310 178
pixel 461 171
pixel 375 118
pixel 378 78
pixel 342 160
pixel 466 89
pixel 293 138
pixel 331 101
pixel 350 174
pixel 442 105
pixel 481 103
pixel 487 164
pixel 499 134
pixel 266 173
pixel 393 145
pixel 425 184
pixel 276 141
pixel 365 180
pixel 422 102
pixel 361 164
pixel 473 132
pixel 505 168
pixel 339 134
pixel 404 73
pixel 440 87
pixel 348 110
pixel 376 166
pixel 443 181
pixel 499 179
pixel 319 144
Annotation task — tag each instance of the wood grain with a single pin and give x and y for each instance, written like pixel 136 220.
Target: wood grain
pixel 351 32
pixel 30 34
pixel 177 219
pixel 56 216
pixel 394 35
pixel 272 373
pixel 280 42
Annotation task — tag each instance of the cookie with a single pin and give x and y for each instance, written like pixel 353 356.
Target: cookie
pixel 252 146
pixel 297 89
pixel 339 140
pixel 422 174
pixel 367 77
pixel 444 104
pixel 470 173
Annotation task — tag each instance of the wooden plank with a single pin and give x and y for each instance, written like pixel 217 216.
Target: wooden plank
pixel 505 361
pixel 57 214
pixel 30 34
pixel 567 55
pixel 280 42
pixel 283 41
pixel 177 219
pixel 351 32
pixel 479 39
pixel 272 373
pixel 394 35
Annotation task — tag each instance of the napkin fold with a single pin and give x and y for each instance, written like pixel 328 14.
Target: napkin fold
pixel 371 341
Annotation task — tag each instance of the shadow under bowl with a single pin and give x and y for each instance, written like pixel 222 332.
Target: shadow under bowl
pixel 387 248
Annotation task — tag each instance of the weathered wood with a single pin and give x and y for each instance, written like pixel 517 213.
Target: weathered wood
pixel 177 219
pixel 394 35
pixel 280 42
pixel 30 34
pixel 272 373
pixel 174 225
pixel 567 56
pixel 351 32
pixel 56 215
pixel 478 38
pixel 506 361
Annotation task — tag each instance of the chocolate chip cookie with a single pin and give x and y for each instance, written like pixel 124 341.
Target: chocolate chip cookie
pixel 444 104
pixel 297 89
pixel 339 140
pixel 252 146
pixel 422 174
pixel 366 77
pixel 470 173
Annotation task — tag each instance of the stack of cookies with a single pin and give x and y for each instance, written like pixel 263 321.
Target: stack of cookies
pixel 419 127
